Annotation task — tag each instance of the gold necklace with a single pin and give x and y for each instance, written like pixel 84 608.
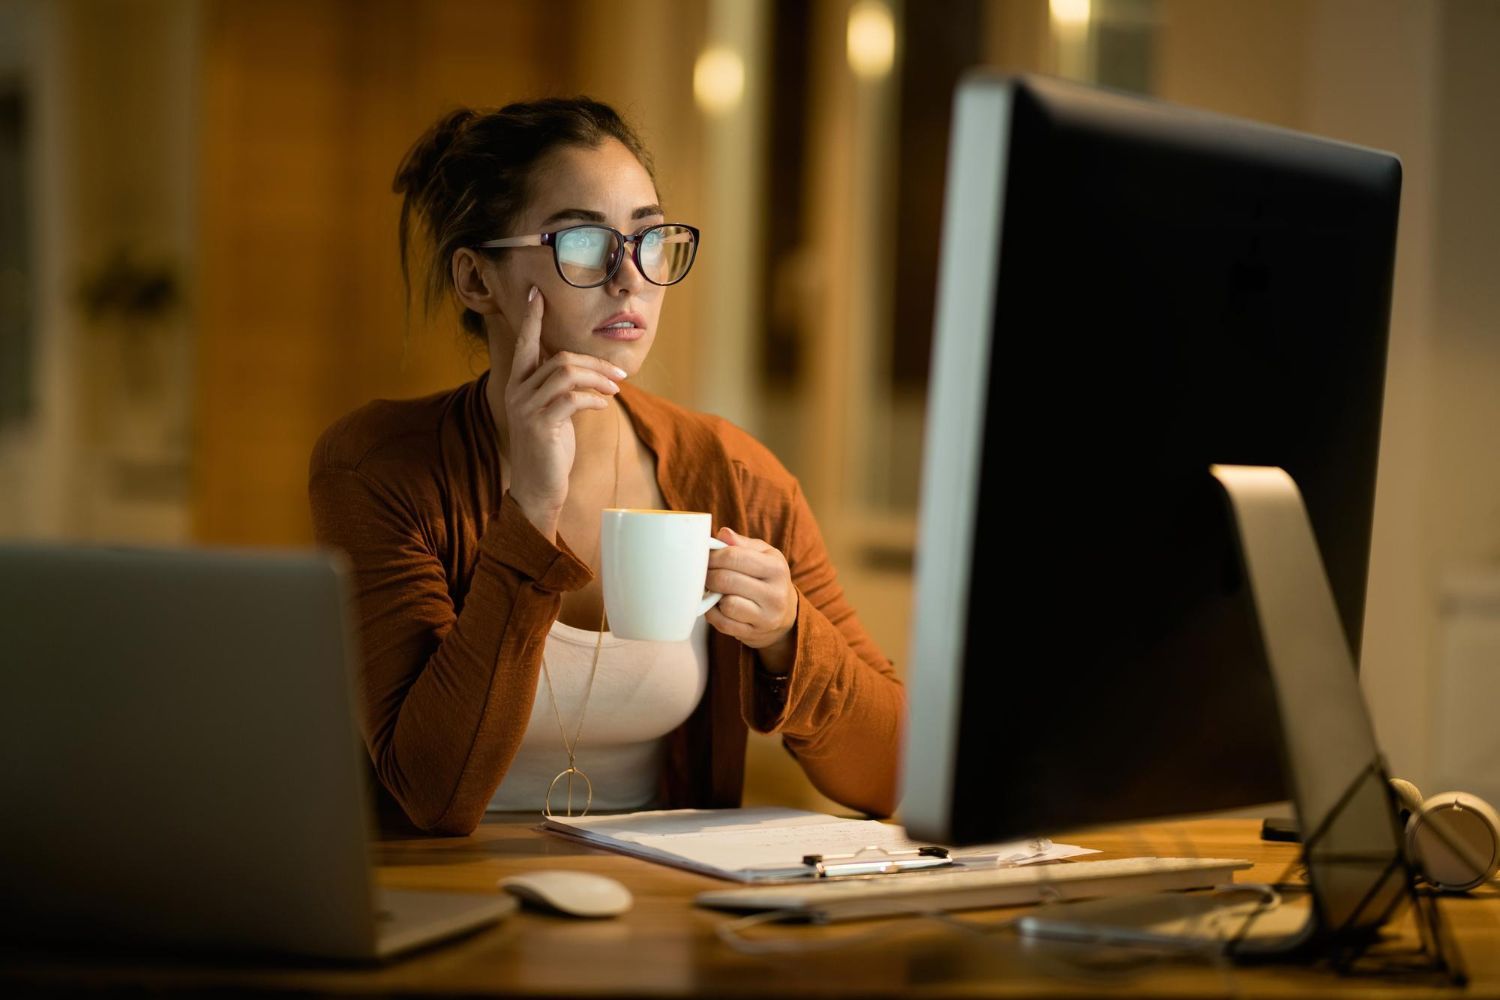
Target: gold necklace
pixel 572 770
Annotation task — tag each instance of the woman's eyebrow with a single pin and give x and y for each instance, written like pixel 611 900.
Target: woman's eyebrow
pixel 573 213
pixel 645 211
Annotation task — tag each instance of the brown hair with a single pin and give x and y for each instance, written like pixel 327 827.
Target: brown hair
pixel 467 177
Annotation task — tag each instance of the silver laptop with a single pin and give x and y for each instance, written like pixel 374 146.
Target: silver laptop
pixel 179 762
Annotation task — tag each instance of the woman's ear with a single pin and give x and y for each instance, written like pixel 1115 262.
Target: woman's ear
pixel 475 281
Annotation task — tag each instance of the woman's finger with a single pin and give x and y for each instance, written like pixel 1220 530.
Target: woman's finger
pixel 528 350
pixel 742 559
pixel 570 359
pixel 564 406
pixel 727 625
pixel 734 583
pixel 723 581
pixel 571 379
pixel 733 537
pixel 740 609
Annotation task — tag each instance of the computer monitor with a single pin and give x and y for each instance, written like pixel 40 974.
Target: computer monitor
pixel 1129 293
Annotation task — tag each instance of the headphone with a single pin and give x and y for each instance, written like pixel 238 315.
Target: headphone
pixel 1452 839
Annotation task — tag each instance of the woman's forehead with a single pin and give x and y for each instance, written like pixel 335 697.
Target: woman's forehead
pixel 607 179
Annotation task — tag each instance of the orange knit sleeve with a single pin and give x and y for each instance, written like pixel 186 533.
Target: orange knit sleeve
pixel 445 693
pixel 844 706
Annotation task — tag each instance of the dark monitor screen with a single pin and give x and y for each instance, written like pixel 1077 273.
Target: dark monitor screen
pixel 1129 292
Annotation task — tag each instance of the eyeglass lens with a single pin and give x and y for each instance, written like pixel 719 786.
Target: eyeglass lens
pixel 586 255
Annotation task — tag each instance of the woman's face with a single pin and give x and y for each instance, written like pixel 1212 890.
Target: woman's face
pixel 572 186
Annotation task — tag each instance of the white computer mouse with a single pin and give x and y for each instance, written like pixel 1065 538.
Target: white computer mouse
pixel 577 894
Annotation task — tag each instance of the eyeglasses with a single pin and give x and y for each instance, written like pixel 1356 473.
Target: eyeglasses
pixel 589 256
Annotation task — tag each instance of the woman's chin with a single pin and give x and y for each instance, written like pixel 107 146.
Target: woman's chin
pixel 627 354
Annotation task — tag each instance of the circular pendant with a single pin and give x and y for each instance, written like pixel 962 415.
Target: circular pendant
pixel 569 773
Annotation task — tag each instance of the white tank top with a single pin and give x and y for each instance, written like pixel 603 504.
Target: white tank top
pixel 642 692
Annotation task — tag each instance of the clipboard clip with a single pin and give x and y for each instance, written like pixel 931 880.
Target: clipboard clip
pixel 876 860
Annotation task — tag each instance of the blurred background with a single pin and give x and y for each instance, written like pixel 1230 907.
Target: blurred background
pixel 198 266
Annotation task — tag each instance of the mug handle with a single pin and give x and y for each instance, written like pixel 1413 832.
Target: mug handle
pixel 709 597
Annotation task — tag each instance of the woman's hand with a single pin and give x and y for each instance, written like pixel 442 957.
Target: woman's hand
pixel 759 607
pixel 541 398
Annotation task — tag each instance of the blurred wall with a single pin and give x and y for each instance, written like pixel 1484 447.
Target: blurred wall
pixel 1464 472
pixel 1373 79
pixel 1466 289
pixel 111 125
pixel 29 486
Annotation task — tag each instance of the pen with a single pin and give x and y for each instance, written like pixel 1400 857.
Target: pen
pixel 888 863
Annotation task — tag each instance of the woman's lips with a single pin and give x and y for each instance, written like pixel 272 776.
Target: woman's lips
pixel 620 333
pixel 609 329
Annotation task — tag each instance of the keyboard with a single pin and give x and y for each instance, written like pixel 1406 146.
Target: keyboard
pixel 826 900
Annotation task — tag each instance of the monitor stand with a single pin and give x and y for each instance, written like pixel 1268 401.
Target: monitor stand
pixel 1357 875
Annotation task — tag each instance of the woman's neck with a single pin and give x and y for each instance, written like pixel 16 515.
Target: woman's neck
pixel 597 433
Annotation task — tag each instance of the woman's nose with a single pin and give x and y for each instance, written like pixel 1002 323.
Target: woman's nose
pixel 628 278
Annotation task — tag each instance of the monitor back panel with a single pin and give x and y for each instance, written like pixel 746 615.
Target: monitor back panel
pixel 1174 290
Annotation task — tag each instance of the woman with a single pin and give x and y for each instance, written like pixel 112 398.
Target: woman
pixel 471 517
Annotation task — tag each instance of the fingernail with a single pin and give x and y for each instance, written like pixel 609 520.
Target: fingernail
pixel 531 295
pixel 621 373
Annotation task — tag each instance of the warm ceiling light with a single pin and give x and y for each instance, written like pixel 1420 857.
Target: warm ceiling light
pixel 1070 13
pixel 718 80
pixel 871 39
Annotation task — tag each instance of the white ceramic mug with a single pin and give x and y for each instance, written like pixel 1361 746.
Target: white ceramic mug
pixel 654 566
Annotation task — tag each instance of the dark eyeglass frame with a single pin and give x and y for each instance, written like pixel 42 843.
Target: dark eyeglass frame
pixel 617 257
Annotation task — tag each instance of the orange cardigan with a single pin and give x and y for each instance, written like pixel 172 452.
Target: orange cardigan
pixel 457 591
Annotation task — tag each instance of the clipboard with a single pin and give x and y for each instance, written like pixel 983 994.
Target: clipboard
pixel 775 845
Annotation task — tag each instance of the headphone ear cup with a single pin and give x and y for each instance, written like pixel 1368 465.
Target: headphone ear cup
pixel 1409 797
pixel 1453 840
pixel 1408 807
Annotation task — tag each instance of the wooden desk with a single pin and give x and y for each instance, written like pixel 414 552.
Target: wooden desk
pixel 667 947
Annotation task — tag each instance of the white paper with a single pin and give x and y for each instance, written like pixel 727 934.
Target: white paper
pixel 770 843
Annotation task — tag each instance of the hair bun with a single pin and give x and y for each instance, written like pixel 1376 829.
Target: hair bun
pixel 420 163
